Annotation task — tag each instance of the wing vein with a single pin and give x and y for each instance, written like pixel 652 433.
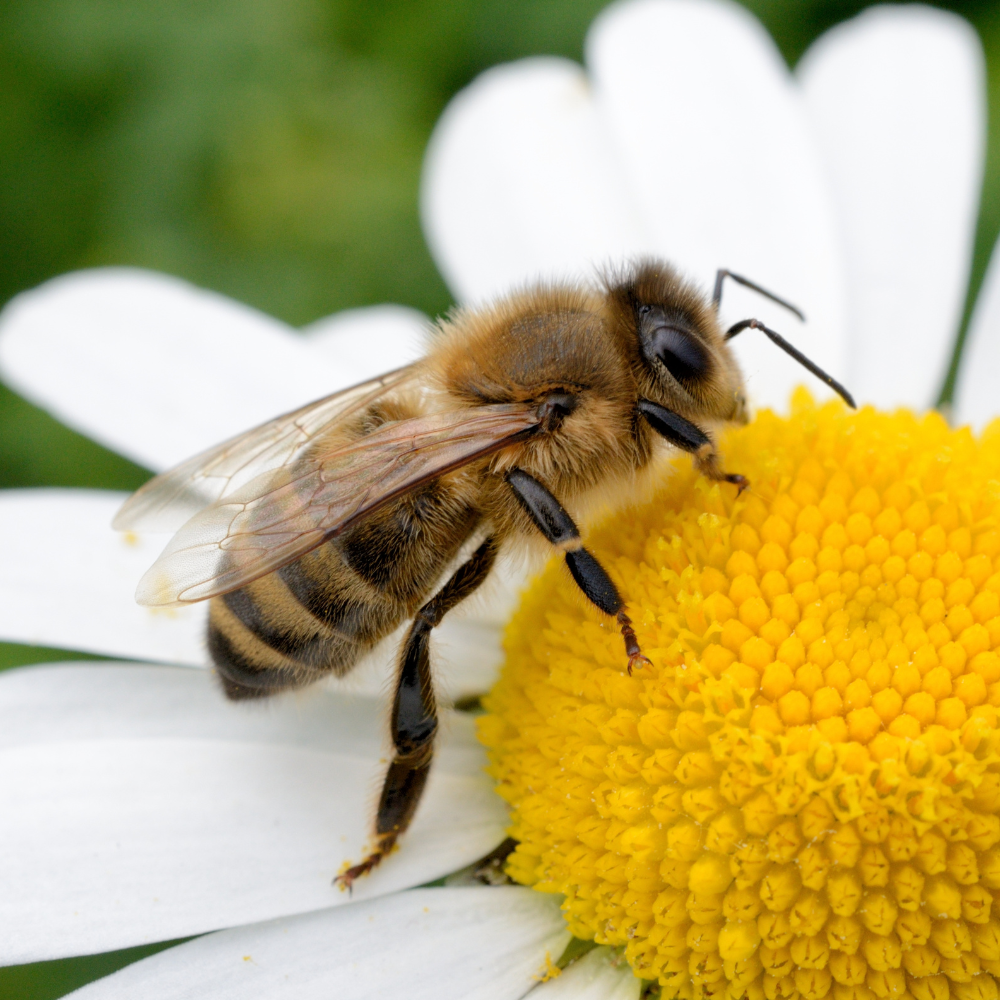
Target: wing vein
pixel 285 511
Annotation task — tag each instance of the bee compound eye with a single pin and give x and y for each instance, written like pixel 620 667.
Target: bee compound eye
pixel 680 353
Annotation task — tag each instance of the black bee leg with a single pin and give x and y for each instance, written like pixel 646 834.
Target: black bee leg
pixel 557 526
pixel 414 713
pixel 683 434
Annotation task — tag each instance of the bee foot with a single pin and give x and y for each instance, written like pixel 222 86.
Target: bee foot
pixel 740 482
pixel 347 879
pixel 707 461
pixel 638 660
pixel 635 657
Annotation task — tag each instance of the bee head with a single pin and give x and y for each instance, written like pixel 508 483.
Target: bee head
pixel 678 352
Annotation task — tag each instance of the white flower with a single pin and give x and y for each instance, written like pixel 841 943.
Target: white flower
pixel 137 804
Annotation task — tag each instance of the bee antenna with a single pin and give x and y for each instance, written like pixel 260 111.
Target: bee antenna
pixel 721 276
pixel 755 324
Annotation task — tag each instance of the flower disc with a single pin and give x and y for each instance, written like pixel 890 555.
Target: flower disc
pixel 801 795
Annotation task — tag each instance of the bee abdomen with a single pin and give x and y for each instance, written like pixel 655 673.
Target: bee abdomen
pixel 319 615
pixel 244 676
pixel 294 626
pixel 300 640
pixel 332 595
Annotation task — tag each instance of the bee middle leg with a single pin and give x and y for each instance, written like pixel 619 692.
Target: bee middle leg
pixel 551 518
pixel 414 719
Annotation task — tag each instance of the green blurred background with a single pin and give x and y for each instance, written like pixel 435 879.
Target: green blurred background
pixel 271 150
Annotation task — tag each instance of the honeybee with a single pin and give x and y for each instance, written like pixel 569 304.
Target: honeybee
pixel 316 534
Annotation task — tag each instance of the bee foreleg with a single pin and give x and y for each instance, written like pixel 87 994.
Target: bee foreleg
pixel 552 520
pixel 689 437
pixel 414 719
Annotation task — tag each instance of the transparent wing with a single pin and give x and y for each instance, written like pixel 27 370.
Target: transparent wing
pixel 279 516
pixel 171 499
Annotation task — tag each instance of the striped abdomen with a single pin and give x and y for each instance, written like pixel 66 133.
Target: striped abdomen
pixel 321 614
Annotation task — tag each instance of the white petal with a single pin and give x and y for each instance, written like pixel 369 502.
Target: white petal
pixel 977 391
pixel 137 805
pixel 68 580
pixel 152 366
pixel 371 340
pixel 428 944
pixel 599 975
pixel 712 134
pixel 518 183
pixel 897 97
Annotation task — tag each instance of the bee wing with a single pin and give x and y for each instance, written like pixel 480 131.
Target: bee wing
pixel 171 499
pixel 279 516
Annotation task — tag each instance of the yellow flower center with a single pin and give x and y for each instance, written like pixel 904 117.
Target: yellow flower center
pixel 801 796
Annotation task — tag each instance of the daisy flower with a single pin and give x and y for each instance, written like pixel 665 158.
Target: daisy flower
pixel 139 806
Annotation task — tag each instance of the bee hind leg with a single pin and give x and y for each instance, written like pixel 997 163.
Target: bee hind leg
pixel 414 713
pixel 551 518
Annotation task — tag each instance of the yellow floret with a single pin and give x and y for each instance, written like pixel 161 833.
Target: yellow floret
pixel 800 796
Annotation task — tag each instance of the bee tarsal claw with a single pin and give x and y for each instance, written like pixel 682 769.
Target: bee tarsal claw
pixel 740 482
pixel 635 656
pixel 347 879
pixel 638 660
